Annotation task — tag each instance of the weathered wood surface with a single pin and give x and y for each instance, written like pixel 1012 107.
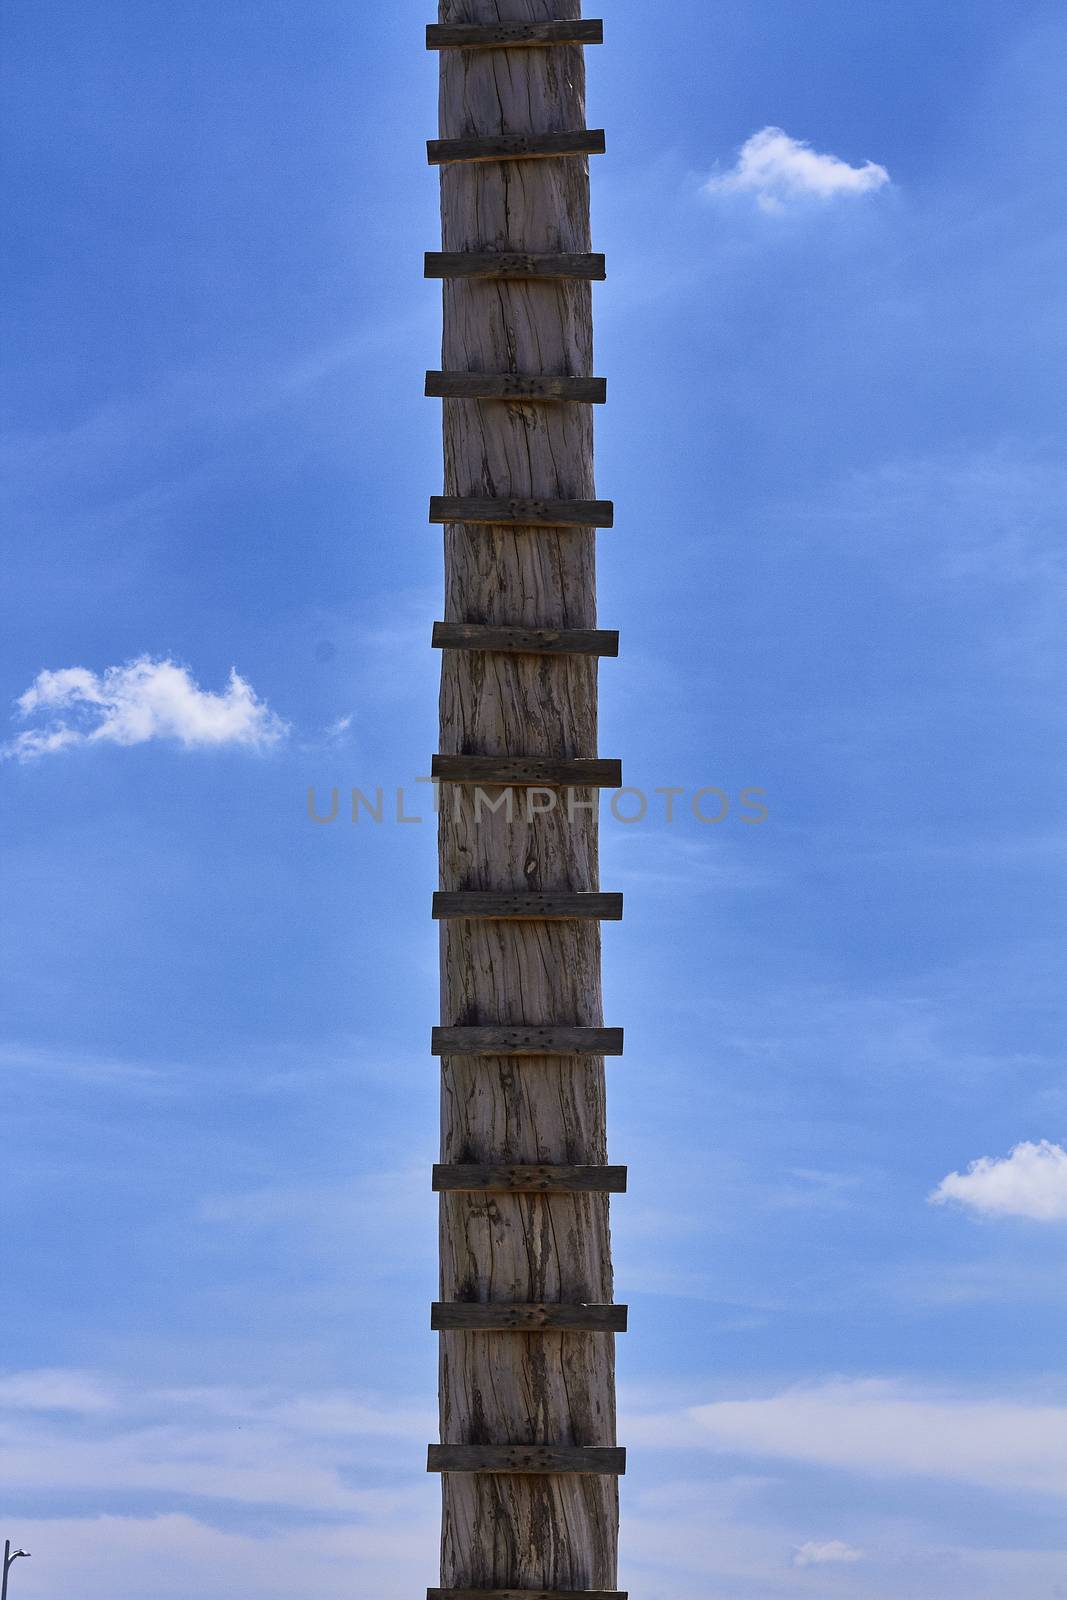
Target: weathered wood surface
pixel 533 386
pixel 525 906
pixel 517 146
pixel 526 1458
pixel 503 1318
pixel 515 264
pixel 527 1594
pixel 527 772
pixel 511 35
pixel 554 1533
pixel 522 513
pixel 469 1177
pixel 518 1040
pixel 525 641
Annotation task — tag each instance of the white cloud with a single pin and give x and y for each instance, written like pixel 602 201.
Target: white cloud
pixel 776 168
pixel 1030 1182
pixel 879 1427
pixel 45 1389
pixel 814 1554
pixel 145 699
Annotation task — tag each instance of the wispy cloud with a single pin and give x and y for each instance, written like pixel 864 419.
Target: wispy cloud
pixel 1030 1182
pixel 775 168
pixel 313 1451
pixel 882 1428
pixel 831 1552
pixel 145 699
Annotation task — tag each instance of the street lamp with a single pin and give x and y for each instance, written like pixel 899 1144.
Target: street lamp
pixel 10 1557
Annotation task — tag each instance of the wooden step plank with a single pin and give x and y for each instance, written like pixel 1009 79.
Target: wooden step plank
pixel 465 1315
pixel 517 146
pixel 527 1041
pixel 537 386
pixel 527 1594
pixel 525 641
pixel 475 1177
pixel 522 513
pixel 512 35
pixel 599 1460
pixel 525 905
pixel 548 772
pixel 517 264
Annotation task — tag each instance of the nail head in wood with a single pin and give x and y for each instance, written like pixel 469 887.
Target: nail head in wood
pixel 541 1178
pixel 522 1041
pixel 511 35
pixel 528 771
pixel 539 386
pixel 517 264
pixel 522 513
pixel 517 146
pixel 599 1460
pixel 466 1316
pixel 525 905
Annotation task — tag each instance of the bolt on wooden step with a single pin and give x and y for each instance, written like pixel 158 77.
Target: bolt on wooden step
pixel 526 1041
pixel 512 35
pixel 525 905
pixel 528 772
pixel 462 1315
pixel 522 513
pixel 473 1177
pixel 600 1460
pixel 525 641
pixel 517 146
pixel 533 386
pixel 518 264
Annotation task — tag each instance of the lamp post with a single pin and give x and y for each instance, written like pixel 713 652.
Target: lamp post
pixel 10 1557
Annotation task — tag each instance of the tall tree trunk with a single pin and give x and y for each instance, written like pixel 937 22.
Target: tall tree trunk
pixel 542 1531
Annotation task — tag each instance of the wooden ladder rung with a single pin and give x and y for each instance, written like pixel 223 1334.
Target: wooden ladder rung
pixel 527 1458
pixel 517 264
pixel 522 513
pixel 478 1318
pixel 525 905
pixel 525 641
pixel 540 386
pixel 511 35
pixel 529 772
pixel 517 146
pixel 523 1041
pixel 527 1594
pixel 475 1177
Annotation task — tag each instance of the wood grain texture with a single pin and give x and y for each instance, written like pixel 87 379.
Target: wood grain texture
pixel 528 771
pixel 520 1040
pixel 527 1594
pixel 526 1458
pixel 554 1532
pixel 512 35
pixel 527 1318
pixel 525 641
pixel 532 386
pixel 529 1178
pixel 526 906
pixel 522 513
pixel 517 146
pixel 515 264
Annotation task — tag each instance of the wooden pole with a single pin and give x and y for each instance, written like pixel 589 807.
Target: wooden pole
pixel 528 1452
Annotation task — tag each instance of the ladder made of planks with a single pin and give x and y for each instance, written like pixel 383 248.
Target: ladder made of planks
pixel 518 771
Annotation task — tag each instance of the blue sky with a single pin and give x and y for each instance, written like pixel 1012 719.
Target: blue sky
pixel 834 441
